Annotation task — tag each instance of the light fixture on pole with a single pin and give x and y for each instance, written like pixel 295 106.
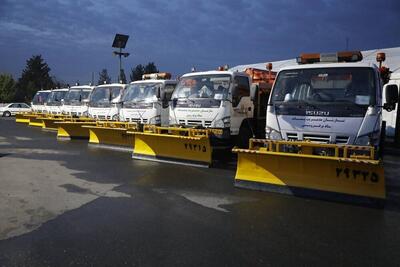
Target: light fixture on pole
pixel 120 41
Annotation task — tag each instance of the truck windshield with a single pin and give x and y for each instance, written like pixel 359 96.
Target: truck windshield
pixel 102 96
pixel 203 86
pixel 141 92
pixel 55 97
pixel 40 98
pixel 74 96
pixel 325 86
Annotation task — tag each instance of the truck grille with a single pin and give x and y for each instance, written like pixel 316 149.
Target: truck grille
pixel 137 120
pixel 196 123
pixel 292 136
pixel 317 138
pixel 342 139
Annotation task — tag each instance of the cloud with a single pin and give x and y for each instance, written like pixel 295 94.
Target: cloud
pixel 179 34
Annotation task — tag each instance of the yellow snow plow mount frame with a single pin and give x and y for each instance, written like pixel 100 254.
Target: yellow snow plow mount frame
pixel 112 134
pixel 49 121
pixel 71 128
pixel 38 120
pixel 186 146
pixel 24 117
pixel 301 168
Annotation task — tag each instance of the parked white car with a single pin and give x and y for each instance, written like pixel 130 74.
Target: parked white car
pixel 13 108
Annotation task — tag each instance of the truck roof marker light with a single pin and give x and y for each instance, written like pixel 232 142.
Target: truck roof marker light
pixel 380 57
pixel 344 56
pixel 220 68
pixel 269 66
pixel 193 69
pixel 105 82
pixel 157 76
pixel 226 67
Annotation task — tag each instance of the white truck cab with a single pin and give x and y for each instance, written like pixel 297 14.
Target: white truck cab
pixel 325 101
pixel 76 101
pixel 146 101
pixel 105 101
pixel 39 100
pixel 54 101
pixel 213 99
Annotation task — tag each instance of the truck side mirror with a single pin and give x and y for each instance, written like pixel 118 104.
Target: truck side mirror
pixel 158 92
pixel 253 92
pixel 392 96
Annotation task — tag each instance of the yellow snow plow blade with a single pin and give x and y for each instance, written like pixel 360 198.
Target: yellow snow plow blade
pixel 112 134
pixel 23 117
pixel 49 123
pixel 341 171
pixel 175 145
pixel 36 120
pixel 72 128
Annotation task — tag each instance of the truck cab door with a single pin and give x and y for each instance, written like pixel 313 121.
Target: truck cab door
pixel 242 106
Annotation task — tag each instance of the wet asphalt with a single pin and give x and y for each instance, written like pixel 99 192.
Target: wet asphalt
pixel 172 215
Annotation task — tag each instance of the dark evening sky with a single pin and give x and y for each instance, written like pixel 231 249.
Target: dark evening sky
pixel 75 37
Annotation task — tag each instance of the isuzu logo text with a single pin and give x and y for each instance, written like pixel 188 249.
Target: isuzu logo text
pixel 317 113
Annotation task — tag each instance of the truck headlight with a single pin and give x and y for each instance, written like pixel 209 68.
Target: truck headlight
pixel 362 140
pixel 223 123
pixel 154 120
pixel 272 134
pixel 172 120
pixel 115 117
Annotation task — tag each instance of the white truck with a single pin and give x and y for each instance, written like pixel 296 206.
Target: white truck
pixel 222 99
pixel 146 101
pixel 39 100
pixel 54 101
pixel 76 101
pixel 329 98
pixel 105 101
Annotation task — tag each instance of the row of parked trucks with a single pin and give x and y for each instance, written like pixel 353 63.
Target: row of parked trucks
pixel 312 127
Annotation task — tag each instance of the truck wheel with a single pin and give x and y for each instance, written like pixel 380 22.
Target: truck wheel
pixel 245 133
pixel 6 114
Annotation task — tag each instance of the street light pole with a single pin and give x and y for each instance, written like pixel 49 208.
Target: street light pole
pixel 120 41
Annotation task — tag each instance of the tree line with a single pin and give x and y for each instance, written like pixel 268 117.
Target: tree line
pixel 36 76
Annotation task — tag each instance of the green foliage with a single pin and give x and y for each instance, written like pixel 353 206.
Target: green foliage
pixel 150 68
pixel 104 77
pixel 7 88
pixel 35 77
pixel 139 70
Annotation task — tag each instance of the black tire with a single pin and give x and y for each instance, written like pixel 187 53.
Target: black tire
pixel 6 114
pixel 245 133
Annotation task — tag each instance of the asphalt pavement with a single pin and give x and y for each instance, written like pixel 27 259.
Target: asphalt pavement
pixel 64 203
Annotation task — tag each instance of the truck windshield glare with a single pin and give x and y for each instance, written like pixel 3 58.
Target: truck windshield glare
pixel 74 95
pixel 141 92
pixel 203 86
pixel 325 86
pixel 40 98
pixel 102 95
pixel 55 97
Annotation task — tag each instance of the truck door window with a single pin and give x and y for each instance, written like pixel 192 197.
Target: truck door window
pixel 242 89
